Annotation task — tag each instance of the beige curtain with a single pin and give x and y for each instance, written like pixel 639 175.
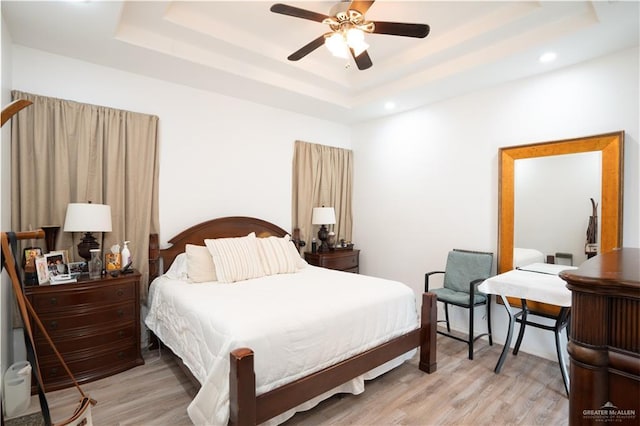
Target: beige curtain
pixel 322 176
pixel 66 152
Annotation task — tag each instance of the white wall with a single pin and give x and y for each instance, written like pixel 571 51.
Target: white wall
pixel 426 181
pixel 5 206
pixel 219 156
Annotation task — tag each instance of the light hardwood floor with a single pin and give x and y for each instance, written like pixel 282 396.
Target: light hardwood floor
pixel 528 391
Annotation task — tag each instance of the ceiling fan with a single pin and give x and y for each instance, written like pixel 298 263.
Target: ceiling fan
pixel 348 25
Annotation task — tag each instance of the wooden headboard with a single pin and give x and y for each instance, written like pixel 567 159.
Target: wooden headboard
pixel 225 227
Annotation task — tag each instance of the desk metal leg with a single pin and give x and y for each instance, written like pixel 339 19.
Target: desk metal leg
pixel 507 343
pixel 523 324
pixel 561 322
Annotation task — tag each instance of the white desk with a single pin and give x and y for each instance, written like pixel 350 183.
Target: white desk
pixel 537 282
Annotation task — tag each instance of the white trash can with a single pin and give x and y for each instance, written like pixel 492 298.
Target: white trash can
pixel 17 388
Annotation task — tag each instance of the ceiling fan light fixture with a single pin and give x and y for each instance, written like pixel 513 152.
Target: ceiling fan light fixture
pixel 337 45
pixel 355 40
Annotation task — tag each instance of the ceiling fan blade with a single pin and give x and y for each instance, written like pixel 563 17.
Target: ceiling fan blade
pixel 361 6
pixel 363 61
pixel 297 12
pixel 306 49
pixel 401 29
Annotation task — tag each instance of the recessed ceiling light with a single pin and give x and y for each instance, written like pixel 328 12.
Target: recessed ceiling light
pixel 389 105
pixel 548 57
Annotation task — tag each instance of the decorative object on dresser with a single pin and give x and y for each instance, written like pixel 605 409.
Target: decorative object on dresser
pixel 87 218
pixel 50 236
pixel 347 260
pixel 95 324
pixel 604 341
pixel 323 216
pixel 29 256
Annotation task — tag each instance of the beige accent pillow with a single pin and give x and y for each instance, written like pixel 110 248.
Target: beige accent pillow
pixel 235 259
pixel 200 266
pixel 277 255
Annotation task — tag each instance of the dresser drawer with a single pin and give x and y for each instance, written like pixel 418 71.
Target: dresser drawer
pixel 68 342
pixel 86 365
pixel 82 297
pixel 82 321
pixel 344 261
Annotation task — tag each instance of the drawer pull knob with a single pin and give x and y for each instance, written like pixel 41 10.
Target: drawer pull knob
pixel 120 355
pixel 54 301
pixel 54 325
pixel 120 312
pixel 120 333
pixel 54 371
pixel 120 292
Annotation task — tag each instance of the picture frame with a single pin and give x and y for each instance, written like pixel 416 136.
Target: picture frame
pixel 76 268
pixel 56 263
pixel 112 261
pixel 42 270
pixel 29 256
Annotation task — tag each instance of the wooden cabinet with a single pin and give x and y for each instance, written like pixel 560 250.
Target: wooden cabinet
pixel 341 260
pixel 95 325
pixel 604 343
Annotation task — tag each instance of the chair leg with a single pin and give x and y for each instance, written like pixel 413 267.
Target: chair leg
pixel 471 309
pixel 489 319
pixel 446 316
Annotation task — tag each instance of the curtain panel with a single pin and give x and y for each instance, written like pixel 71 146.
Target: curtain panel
pixel 69 152
pixel 322 176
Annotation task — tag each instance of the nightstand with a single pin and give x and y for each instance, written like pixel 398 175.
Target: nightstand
pixel 95 325
pixel 342 259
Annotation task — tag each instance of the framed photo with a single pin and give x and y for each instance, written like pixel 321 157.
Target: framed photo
pixel 29 258
pixel 112 261
pixel 42 270
pixel 56 263
pixel 76 268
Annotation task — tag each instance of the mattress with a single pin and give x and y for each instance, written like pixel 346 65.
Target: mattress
pixel 295 323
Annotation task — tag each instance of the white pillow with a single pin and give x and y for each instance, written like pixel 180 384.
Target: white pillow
pixel 200 266
pixel 178 269
pixel 235 259
pixel 278 255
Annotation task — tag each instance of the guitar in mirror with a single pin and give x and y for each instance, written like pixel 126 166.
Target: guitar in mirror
pixel 545 192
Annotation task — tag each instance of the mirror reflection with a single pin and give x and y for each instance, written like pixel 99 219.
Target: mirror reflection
pixel 552 207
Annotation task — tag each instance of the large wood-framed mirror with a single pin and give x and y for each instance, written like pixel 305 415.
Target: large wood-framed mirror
pixel 609 147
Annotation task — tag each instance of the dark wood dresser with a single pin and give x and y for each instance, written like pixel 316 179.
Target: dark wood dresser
pixel 95 325
pixel 342 260
pixel 604 343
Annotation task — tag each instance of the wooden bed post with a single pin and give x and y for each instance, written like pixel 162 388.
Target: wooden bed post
pixel 242 388
pixel 428 329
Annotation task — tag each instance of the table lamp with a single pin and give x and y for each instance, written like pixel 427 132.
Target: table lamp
pixel 87 218
pixel 323 216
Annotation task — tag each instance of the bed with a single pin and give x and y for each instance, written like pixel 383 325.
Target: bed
pixel 526 256
pixel 279 350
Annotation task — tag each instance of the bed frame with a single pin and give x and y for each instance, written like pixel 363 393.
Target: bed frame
pixel 247 408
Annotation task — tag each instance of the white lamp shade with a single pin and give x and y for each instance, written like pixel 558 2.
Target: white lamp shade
pixel 88 217
pixel 323 216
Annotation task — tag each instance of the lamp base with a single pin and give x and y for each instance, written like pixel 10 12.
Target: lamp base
pixel 87 243
pixel 323 234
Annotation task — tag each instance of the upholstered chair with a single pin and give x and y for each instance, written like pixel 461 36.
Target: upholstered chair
pixel 464 271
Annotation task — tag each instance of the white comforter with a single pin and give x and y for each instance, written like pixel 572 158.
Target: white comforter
pixel 295 324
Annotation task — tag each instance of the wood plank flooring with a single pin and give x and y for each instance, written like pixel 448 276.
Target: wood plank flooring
pixel 528 391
